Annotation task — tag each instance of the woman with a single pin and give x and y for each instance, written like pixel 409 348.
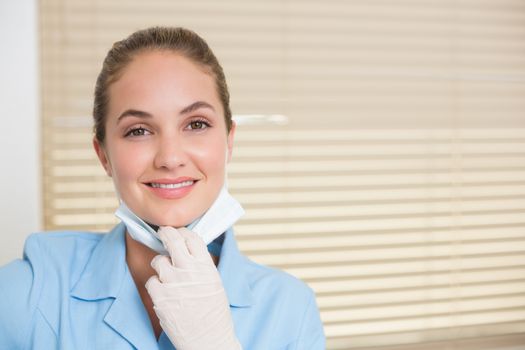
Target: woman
pixel 164 133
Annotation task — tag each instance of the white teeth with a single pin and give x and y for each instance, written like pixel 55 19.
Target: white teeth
pixel 177 185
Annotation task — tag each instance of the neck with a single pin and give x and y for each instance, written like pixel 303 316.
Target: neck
pixel 138 258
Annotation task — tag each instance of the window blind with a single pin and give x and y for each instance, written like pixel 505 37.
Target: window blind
pixel 380 153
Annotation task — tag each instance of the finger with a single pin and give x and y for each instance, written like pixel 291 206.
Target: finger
pixel 162 265
pixel 195 243
pixel 175 244
pixel 168 273
pixel 154 287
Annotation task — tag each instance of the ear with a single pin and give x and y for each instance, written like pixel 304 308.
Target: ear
pixel 231 135
pixel 102 156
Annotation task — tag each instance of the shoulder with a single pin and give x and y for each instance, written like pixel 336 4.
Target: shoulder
pixel 300 326
pixel 55 256
pixel 49 262
pixel 52 247
pixel 263 282
pixel 47 255
pixel 277 290
pixel 277 283
pixel 59 240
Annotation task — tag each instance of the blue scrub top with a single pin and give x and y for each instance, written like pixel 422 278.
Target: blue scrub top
pixel 73 290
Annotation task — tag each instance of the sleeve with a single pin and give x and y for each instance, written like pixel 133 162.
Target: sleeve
pixel 16 311
pixel 311 333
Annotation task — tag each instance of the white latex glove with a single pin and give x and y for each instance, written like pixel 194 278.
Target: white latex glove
pixel 188 295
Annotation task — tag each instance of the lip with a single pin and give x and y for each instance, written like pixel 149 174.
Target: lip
pixel 171 193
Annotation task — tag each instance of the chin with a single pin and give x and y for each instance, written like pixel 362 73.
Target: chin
pixel 175 221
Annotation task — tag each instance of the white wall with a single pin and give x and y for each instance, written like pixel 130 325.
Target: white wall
pixel 20 194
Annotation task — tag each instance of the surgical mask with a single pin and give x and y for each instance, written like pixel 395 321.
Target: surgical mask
pixel 222 214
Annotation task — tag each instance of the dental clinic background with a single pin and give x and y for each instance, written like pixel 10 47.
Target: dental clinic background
pixel 380 150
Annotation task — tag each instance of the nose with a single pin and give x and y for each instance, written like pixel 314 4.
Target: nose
pixel 170 152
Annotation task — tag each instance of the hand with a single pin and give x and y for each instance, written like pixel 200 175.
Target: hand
pixel 188 295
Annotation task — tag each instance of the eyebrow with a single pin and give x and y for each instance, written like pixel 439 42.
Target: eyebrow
pixel 188 109
pixel 133 113
pixel 195 106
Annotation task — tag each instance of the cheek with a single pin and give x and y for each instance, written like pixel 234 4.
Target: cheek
pixel 128 163
pixel 211 156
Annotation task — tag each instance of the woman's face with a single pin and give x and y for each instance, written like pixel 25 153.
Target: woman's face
pixel 166 143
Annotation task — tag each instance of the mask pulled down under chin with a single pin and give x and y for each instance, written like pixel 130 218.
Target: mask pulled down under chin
pixel 222 214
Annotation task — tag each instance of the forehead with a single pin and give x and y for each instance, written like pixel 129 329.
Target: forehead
pixel 162 59
pixel 163 77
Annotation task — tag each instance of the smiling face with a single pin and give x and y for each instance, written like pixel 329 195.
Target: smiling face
pixel 166 144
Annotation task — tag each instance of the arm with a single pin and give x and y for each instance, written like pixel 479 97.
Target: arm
pixel 16 280
pixel 22 325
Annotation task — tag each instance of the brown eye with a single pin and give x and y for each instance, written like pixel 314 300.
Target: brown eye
pixel 198 125
pixel 136 132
